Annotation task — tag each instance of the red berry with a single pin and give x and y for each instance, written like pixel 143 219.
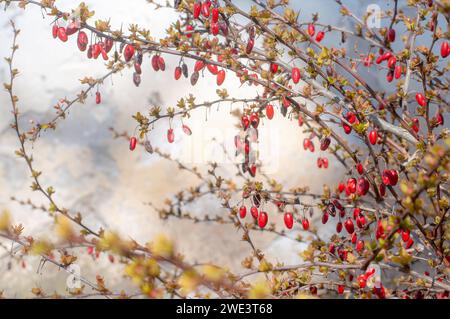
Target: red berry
pixel 390 76
pixel 368 61
pixel 98 98
pixel 197 9
pixel 108 44
pixel 215 15
pixel 89 52
pixel 306 143
pixel 170 135
pixel 360 246
pixel 213 69
pixel 331 248
pixel 439 118
pixel 55 31
pixel 104 55
pixel 288 220
pixel 262 219
pixel 341 187
pixel 320 36
pixel 398 72
pixel 373 137
pixel 273 67
pixel 254 212
pixel 319 162
pixel 220 77
pixel 245 122
pixel 415 124
pixel 325 143
pixel 391 62
pixel 347 128
pixel 254 120
pixel 338 227
pixel 189 29
pixel 420 98
pixel 305 224
pixel 295 75
pixel 178 73
pixel 351 185
pixel 409 243
pixel 354 238
pixel 62 35
pixel 325 162
pixel 340 289
pixel 214 28
pixel 349 226
pixel 362 187
pixel 445 49
pixel 133 142
pixel 199 65
pixel 155 63
pixel 82 41
pixel 405 235
pixel 205 9
pixel 71 28
pixel 161 63
pixel 186 130
pixel 242 211
pixel 250 45
pixel 128 52
pixel 96 50
pixel 269 111
pixel 311 30
pixel 391 35
pixel 360 168
pixel 324 218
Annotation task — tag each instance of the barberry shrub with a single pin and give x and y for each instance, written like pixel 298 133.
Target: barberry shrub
pixel 376 110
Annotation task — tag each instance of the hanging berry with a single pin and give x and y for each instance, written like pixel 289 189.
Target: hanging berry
pixel 220 77
pixel 311 30
pixel 213 69
pixel 186 130
pixel 262 219
pixel 295 75
pixel 98 98
pixel 349 226
pixel 197 9
pixel 170 135
pixel 161 63
pixel 320 35
pixel 128 52
pixel 420 98
pixel 305 223
pixel 391 35
pixel 82 41
pixel 133 142
pixel 215 15
pixel 55 31
pixel 273 67
pixel 177 73
pixel 242 211
pixel 269 111
pixel 254 212
pixel 445 49
pixel 373 137
pixel 62 35
pixel 155 63
pixel 288 220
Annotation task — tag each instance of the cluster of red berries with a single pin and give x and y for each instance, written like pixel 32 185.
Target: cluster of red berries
pixel 312 31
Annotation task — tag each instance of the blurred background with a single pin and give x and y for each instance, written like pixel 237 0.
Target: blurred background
pixel 98 176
